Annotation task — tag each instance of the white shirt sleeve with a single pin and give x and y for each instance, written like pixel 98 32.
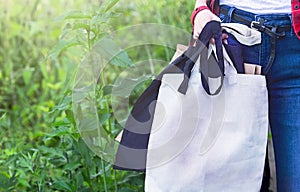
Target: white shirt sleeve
pixel 260 6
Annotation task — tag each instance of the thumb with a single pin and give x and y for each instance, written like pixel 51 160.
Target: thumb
pixel 201 19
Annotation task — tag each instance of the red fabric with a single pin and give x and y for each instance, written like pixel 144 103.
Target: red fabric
pixel 196 11
pixel 214 6
pixel 296 16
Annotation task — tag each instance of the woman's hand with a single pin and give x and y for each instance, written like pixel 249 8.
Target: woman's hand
pixel 202 18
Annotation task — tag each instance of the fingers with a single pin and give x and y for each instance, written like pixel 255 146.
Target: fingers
pixel 201 19
pixel 224 38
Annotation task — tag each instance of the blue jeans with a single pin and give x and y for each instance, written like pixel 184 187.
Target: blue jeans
pixel 284 95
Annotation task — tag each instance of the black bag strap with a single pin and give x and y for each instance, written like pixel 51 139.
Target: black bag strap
pixel 214 6
pixel 211 30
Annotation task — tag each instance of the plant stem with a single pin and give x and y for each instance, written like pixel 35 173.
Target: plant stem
pixel 89 39
pixel 104 175
pixel 108 124
pixel 115 180
pixel 32 14
pixel 150 60
pixel 95 105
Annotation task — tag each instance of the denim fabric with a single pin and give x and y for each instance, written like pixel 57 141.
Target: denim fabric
pixel 234 50
pixel 284 95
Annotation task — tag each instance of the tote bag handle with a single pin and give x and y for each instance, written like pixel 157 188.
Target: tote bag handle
pixel 211 30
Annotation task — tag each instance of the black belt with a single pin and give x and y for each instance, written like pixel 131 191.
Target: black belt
pixel 274 32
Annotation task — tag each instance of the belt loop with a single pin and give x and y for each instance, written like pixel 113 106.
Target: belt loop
pixel 255 17
pixel 291 19
pixel 230 12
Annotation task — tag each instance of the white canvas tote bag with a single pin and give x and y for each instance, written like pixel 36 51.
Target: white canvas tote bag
pixel 200 142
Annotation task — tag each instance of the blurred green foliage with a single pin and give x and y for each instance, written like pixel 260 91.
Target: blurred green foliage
pixel 42 42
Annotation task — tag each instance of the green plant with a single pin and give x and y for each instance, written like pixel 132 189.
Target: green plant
pixel 41 147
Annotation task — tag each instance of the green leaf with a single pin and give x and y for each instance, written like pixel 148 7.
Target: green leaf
pixel 52 152
pixel 72 166
pixel 52 141
pixel 61 123
pixel 15 29
pixel 122 60
pixel 3 116
pixel 74 15
pixel 70 116
pixel 83 149
pixel 106 169
pixel 126 190
pixel 111 4
pixel 64 104
pixel 104 117
pixel 107 5
pixel 25 163
pixel 43 67
pixel 81 26
pixel 62 185
pixel 111 53
pixel 61 46
pixel 4 181
pixel 27 74
pixel 125 87
pixel 54 86
pixel 97 19
pixel 88 124
pixel 61 131
pixel 24 182
pixel 107 89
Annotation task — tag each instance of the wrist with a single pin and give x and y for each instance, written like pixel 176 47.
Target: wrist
pixel 200 3
pixel 196 11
